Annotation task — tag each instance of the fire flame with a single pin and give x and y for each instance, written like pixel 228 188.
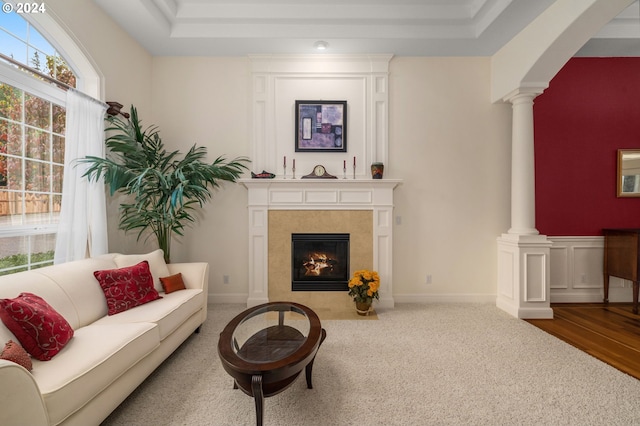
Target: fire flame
pixel 317 264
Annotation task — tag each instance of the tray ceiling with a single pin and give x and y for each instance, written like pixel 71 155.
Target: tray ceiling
pixel 400 27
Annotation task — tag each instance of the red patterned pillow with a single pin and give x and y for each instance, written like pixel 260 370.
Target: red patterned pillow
pixel 41 330
pixel 172 283
pixel 15 353
pixel 126 288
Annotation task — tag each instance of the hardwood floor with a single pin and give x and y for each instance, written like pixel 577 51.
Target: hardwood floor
pixel 610 332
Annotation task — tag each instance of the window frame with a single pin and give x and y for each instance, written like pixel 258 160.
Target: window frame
pixel 43 90
pixel 88 80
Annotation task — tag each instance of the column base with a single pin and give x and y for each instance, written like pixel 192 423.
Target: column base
pixel 525 313
pixel 523 276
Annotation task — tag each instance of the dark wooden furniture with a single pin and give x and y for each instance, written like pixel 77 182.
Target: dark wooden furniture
pixel 622 259
pixel 266 347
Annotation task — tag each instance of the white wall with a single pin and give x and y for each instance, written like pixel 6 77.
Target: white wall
pixel 448 143
pixel 360 80
pixel 205 101
pixel 125 65
pixel 126 70
pixel 452 148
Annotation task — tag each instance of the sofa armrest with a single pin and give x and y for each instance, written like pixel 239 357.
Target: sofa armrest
pixel 194 274
pixel 21 402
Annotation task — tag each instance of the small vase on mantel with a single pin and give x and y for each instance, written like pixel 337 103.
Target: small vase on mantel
pixel 363 308
pixel 377 170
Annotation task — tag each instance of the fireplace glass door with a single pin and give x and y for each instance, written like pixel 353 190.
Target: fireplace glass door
pixel 319 262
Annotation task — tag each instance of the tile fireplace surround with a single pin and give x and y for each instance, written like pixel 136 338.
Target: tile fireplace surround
pixel 279 207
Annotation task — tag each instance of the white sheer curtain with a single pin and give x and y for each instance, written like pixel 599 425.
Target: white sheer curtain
pixel 82 231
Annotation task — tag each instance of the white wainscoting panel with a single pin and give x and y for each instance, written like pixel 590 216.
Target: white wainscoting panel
pixel 535 276
pixel 577 272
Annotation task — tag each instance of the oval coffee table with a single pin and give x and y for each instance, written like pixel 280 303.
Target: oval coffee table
pixel 266 347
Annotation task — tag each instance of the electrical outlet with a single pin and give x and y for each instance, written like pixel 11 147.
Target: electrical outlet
pixel 428 280
pixel 225 279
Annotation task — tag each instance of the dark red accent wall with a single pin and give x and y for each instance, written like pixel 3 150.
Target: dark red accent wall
pixel 590 110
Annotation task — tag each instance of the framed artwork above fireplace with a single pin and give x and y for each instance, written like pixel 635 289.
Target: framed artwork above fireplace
pixel 321 126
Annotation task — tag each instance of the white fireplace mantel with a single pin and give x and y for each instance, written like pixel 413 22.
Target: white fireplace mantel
pixel 319 194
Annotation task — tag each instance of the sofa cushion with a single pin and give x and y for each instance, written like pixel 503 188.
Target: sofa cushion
pixel 169 312
pixel 126 288
pixel 172 283
pixel 15 353
pixel 41 330
pixel 84 300
pixel 157 265
pixel 97 355
pixel 37 283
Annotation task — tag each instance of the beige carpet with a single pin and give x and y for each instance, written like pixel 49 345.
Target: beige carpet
pixel 438 364
pixel 344 314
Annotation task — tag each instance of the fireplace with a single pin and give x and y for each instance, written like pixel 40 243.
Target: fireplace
pixel 277 208
pixel 319 262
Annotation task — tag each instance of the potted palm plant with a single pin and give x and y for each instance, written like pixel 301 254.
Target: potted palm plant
pixel 165 187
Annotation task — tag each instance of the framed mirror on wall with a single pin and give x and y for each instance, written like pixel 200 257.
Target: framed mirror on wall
pixel 628 173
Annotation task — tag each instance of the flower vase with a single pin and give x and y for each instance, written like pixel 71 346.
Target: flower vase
pixel 363 308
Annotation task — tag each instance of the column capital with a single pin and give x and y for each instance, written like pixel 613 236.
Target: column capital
pixel 525 92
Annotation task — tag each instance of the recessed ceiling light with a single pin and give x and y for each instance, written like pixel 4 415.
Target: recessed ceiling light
pixel 321 45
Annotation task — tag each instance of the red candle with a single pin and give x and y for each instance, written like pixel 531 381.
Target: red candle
pixel 344 164
pixel 354 161
pixel 285 161
pixel 294 163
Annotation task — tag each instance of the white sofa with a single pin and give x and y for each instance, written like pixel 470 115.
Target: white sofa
pixel 108 356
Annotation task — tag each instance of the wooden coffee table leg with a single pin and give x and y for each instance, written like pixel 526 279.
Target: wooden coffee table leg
pixel 258 396
pixel 309 368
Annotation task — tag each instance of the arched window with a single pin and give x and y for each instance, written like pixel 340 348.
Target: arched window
pixel 32 120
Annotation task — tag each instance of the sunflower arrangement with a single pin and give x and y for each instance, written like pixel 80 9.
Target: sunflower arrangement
pixel 364 285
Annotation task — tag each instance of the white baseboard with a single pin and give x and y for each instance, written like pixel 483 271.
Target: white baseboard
pixel 397 298
pixel 444 298
pixel 616 294
pixel 228 298
pixel 525 312
pixel 576 298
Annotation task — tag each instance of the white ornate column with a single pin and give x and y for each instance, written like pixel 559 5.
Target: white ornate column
pixel 523 254
pixel 523 205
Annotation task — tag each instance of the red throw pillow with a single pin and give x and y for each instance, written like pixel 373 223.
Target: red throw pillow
pixel 15 353
pixel 172 283
pixel 126 288
pixel 41 330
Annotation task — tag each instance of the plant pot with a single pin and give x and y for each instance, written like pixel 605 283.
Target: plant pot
pixel 363 308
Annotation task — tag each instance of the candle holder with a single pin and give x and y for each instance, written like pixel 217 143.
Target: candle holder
pixel 344 172
pixel 293 172
pixel 284 172
pixel 354 171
